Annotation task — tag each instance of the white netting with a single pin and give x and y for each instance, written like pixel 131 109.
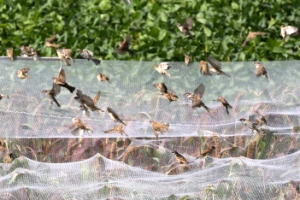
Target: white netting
pixel 111 166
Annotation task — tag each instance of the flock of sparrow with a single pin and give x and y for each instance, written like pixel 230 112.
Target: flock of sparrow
pixel 87 104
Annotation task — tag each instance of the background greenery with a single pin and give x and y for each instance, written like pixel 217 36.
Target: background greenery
pixel 220 27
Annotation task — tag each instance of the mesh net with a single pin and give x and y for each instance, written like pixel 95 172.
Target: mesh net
pixel 54 164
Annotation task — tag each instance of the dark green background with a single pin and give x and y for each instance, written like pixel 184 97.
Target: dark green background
pixel 220 28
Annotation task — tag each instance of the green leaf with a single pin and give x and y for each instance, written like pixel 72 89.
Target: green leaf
pixel 162 34
pixel 207 31
pixel 235 6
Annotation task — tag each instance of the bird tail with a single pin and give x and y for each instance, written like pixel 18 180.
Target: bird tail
pixel 131 52
pixel 69 87
pixel 54 99
pixel 96 61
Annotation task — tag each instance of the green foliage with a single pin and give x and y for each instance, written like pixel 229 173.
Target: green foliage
pixel 220 28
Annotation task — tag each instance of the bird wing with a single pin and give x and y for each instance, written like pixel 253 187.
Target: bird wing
pixel 127 41
pixel 96 98
pixel 188 23
pixel 164 65
pixel 55 89
pixel 290 30
pixel 62 76
pixel 200 90
pixel 87 100
pixel 25 70
pixel 214 62
pixel 164 88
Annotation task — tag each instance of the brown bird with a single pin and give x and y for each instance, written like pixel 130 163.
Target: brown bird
pixel 180 158
pixel 171 96
pixel 187 59
pixel 10 53
pixel 124 46
pixel 61 80
pixel 22 73
pixel 260 119
pixel 159 127
pixel 252 35
pixel 114 115
pixel 161 87
pixel 185 29
pixel 216 66
pixel 204 68
pixel 196 97
pixel 67 53
pixel 53 93
pixel 260 70
pixel 79 127
pixel 25 51
pixel 208 151
pixel 162 68
pixel 61 55
pixel 288 30
pixel 9 157
pixel 89 55
pixel 252 125
pixel 48 42
pixel 117 128
pixel 2 96
pixel 33 53
pixel 224 103
pixel 87 102
pixel 102 77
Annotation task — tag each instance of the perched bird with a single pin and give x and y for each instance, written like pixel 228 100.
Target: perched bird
pixel 61 80
pixel 161 87
pixel 216 66
pixel 185 29
pixel 102 77
pixel 187 59
pixel 10 53
pixel 48 42
pixel 89 55
pixel 9 157
pixel 53 93
pixel 22 73
pixel 260 70
pixel 288 30
pixel 204 68
pixel 224 103
pixel 162 68
pixel 124 46
pixel 114 115
pixel 2 96
pixel 61 55
pixel 79 127
pixel 180 158
pixel 67 53
pixel 117 128
pixel 196 97
pixel 159 127
pixel 87 102
pixel 208 151
pixel 252 125
pixel 259 118
pixel 25 51
pixel 252 35
pixel 33 53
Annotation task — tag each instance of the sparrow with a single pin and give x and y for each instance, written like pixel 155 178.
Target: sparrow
pixel 196 97
pixel 53 93
pixel 89 55
pixel 260 119
pixel 33 53
pixel 61 55
pixel 204 68
pixel 48 42
pixel 2 96
pixel 180 158
pixel 102 77
pixel 114 115
pixel 9 157
pixel 124 46
pixel 61 81
pixel 10 53
pixel 208 151
pixel 79 127
pixel 25 51
pixel 187 59
pixel 87 102
pixel 117 128
pixel 162 68
pixel 252 35
pixel 224 103
pixel 288 30
pixel 159 127
pixel 185 29
pixel 260 70
pixel 171 96
pixel 22 73
pixel 67 53
pixel 161 87
pixel 252 125
pixel 216 66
